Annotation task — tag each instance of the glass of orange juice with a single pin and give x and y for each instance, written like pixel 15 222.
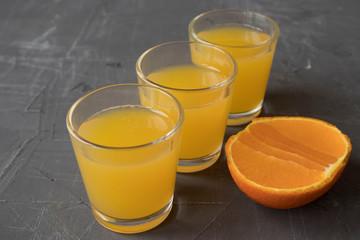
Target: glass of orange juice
pixel 201 77
pixel 126 140
pixel 251 39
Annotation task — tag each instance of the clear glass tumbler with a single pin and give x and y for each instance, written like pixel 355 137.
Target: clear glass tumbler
pixel 251 39
pixel 201 77
pixel 126 140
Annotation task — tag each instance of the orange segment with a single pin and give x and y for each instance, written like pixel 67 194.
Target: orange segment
pixel 252 159
pixel 321 133
pixel 251 141
pixel 286 162
pixel 273 137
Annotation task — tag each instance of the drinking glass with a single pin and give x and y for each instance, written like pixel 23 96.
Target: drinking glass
pixel 201 77
pixel 250 38
pixel 126 140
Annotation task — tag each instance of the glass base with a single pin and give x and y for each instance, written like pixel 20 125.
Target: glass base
pixel 138 225
pixel 235 119
pixel 197 164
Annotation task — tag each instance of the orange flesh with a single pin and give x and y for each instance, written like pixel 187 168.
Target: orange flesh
pixel 323 138
pixel 287 154
pixel 254 143
pixel 272 137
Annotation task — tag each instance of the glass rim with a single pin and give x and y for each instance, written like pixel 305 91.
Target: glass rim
pixel 197 38
pixel 227 80
pixel 74 133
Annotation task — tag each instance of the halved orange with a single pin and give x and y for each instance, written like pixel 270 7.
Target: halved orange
pixel 287 162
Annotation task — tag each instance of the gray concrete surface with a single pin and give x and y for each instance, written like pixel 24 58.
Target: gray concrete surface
pixel 53 52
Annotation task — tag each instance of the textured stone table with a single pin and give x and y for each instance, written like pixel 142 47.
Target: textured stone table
pixel 53 52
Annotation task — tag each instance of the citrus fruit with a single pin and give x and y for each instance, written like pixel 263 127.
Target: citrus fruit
pixel 287 162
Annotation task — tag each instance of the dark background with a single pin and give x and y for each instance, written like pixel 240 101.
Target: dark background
pixel 53 52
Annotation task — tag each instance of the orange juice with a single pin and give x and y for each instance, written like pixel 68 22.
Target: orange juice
pixel 253 59
pixel 127 183
pixel 205 113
